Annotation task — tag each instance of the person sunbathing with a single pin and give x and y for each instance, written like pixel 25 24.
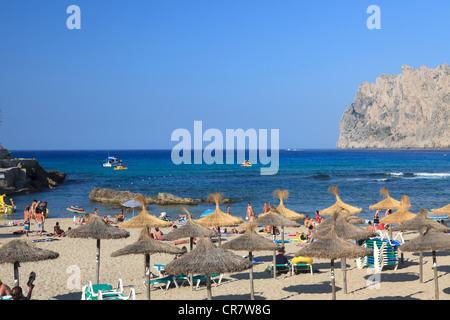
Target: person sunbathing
pixel 158 235
pixel 58 231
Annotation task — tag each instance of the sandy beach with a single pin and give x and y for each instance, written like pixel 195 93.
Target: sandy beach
pixel 55 278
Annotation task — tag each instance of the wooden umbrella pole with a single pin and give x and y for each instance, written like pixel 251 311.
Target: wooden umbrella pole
pixel 436 285
pixel 421 267
pixel 147 273
pixel 208 286
pixel 252 291
pixel 333 284
pixel 220 239
pixel 274 264
pixel 344 269
pixel 16 273
pixel 98 261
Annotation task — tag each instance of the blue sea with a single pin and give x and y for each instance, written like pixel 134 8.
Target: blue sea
pixel 424 176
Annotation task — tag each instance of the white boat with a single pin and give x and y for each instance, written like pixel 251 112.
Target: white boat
pixel 112 162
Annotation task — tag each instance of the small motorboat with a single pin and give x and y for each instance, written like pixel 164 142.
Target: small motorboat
pixel 246 164
pixel 120 167
pixel 112 162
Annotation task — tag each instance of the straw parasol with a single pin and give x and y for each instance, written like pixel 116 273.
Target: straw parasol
pixel 96 228
pixel 275 219
pixel 144 218
pixel 333 247
pixel 17 251
pixel 339 205
pixel 207 259
pixel 420 220
pixel 146 246
pixel 191 230
pixel 399 216
pixel 250 241
pixel 387 203
pixel 345 230
pixel 429 239
pixel 219 218
pixel 288 213
pixel 445 209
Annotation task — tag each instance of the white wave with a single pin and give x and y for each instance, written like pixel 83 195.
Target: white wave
pixel 381 180
pixel 426 175
pixel 395 174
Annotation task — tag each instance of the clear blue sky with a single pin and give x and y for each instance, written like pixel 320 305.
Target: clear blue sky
pixel 137 70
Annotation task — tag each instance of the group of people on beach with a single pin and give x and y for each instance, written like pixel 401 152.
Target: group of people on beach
pixel 38 212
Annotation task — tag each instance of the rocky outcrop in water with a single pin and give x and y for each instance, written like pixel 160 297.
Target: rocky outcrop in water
pixel 406 111
pixel 117 197
pixel 19 175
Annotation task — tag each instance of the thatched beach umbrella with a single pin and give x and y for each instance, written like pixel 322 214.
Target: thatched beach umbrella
pixel 420 220
pixel 219 218
pixel 206 259
pixel 288 213
pixel 443 210
pixel 339 205
pixel 344 230
pixel 432 240
pixel 96 228
pixel 190 230
pixel 17 251
pixel 387 203
pixel 250 241
pixel 144 218
pixel 399 216
pixel 333 247
pixel 146 246
pixel 275 219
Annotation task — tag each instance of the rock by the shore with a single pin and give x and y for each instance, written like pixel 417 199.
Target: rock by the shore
pixel 18 175
pixel 117 197
pixel 410 110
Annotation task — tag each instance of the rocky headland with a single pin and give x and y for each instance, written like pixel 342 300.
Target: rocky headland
pixel 18 175
pixel 410 110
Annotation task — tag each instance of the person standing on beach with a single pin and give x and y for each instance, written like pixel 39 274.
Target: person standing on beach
pixel 228 210
pixel 34 205
pixel 13 205
pixel 376 218
pixel 250 214
pixel 26 222
pixel 44 209
pixel 317 216
pixel 40 219
pixel 96 211
pixel 266 207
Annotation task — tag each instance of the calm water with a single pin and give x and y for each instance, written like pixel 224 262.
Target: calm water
pixel 422 175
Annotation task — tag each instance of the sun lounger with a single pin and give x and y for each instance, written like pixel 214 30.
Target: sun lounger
pixel 105 292
pixel 160 282
pixel 300 267
pixel 282 268
pixel 197 279
pixel 160 268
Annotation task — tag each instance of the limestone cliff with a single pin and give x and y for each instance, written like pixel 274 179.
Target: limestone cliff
pixel 410 110
pixel 19 175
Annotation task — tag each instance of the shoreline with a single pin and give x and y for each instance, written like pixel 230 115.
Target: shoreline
pixel 54 278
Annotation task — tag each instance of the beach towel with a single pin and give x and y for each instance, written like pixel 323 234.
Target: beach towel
pixel 45 240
